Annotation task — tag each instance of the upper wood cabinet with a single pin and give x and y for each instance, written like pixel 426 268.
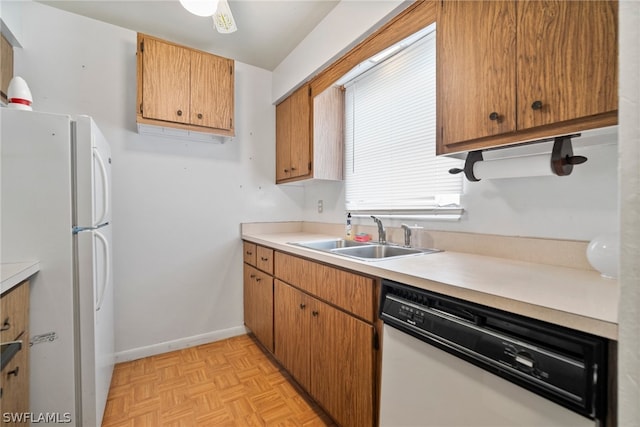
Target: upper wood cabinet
pixel 6 67
pixel 513 71
pixel 309 135
pixel 184 88
pixel 293 135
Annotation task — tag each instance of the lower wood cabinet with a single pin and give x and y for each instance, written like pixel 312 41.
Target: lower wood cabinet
pixel 258 305
pixel 14 322
pixel 329 352
pixel 320 323
pixel 325 335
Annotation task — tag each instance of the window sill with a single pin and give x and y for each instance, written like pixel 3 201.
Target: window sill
pixel 436 214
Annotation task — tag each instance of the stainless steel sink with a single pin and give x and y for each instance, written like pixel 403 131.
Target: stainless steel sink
pixel 376 251
pixel 327 245
pixel 362 250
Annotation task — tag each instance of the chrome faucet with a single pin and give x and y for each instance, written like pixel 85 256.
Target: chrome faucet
pixel 382 239
pixel 407 235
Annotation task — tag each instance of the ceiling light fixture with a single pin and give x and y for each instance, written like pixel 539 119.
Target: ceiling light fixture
pixel 200 7
pixel 223 19
pixel 218 9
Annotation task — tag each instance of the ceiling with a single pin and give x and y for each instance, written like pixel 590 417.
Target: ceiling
pixel 268 30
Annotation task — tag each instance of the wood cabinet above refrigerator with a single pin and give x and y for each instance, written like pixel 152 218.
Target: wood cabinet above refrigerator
pixel 184 88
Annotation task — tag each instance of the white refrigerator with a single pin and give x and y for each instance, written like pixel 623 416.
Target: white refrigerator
pixel 56 208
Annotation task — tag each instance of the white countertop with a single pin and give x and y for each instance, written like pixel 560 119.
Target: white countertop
pixel 571 297
pixel 13 273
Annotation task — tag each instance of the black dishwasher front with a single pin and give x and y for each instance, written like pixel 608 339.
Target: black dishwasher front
pixel 566 366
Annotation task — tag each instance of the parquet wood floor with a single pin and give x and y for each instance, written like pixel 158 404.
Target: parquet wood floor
pixel 232 382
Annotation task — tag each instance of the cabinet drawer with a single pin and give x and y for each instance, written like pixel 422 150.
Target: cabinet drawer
pixel 264 259
pixel 349 291
pixel 14 312
pixel 249 253
pixel 15 384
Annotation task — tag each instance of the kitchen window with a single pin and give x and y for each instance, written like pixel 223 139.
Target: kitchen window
pixel 390 124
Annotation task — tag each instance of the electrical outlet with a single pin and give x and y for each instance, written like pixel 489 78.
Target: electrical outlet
pixel 320 206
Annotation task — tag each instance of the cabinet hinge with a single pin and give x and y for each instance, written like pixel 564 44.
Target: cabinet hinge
pixel 230 123
pixel 141 46
pixel 309 166
pixel 141 108
pixel 230 69
pixel 309 90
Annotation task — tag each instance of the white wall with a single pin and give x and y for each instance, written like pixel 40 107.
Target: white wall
pixel 579 206
pixel 629 321
pixel 177 204
pixel 344 27
pixel 10 12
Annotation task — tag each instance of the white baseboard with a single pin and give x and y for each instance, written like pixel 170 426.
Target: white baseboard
pixel 167 346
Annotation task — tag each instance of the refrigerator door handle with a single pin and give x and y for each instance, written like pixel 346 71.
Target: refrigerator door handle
pixel 105 183
pixel 101 293
pixel 77 229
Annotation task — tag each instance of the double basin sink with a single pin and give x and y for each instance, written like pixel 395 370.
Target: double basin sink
pixel 362 250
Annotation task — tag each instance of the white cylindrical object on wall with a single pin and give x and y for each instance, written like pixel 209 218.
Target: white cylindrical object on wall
pixel 514 167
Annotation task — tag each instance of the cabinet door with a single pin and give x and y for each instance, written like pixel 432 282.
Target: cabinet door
pixel 301 132
pixel 567 60
pixel 6 67
pixel 342 365
pixel 291 330
pixel 258 305
pixel 475 70
pixel 165 81
pixel 212 100
pixel 283 140
pixel 293 135
pixel 14 398
pixel 14 313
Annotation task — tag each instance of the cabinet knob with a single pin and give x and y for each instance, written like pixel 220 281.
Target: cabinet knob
pixel 314 313
pixel 302 306
pixel 14 372
pixel 286 171
pixel 494 116
pixel 199 115
pixel 5 325
pixel 292 168
pixel 537 105
pixel 179 112
pixel 258 279
pixel 264 259
pixel 253 276
pixel 249 253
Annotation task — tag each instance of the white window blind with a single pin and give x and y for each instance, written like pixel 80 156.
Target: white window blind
pixel 390 132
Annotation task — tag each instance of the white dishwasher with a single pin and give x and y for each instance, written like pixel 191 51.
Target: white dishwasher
pixel 447 362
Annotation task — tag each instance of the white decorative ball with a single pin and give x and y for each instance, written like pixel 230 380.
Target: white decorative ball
pixel 603 254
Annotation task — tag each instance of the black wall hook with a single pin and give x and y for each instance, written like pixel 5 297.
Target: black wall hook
pixel 472 158
pixel 562 158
